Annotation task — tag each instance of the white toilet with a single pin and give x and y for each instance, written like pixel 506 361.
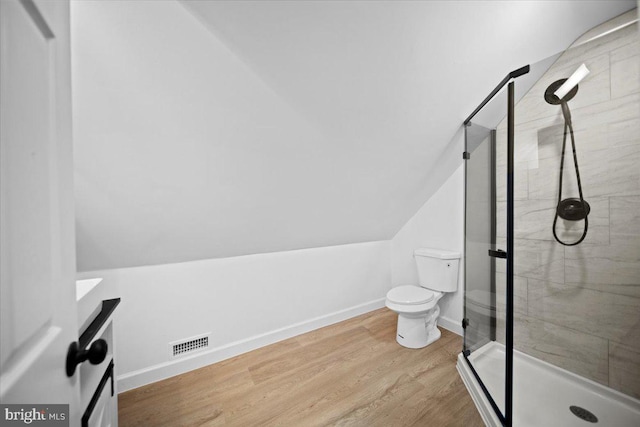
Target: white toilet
pixel 417 306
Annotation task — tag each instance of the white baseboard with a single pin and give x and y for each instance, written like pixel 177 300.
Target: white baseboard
pixel 454 326
pixel 145 376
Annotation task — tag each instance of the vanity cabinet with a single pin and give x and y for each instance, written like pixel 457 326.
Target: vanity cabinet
pixel 98 393
pixel 97 381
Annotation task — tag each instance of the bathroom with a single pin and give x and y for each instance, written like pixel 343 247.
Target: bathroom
pixel 246 172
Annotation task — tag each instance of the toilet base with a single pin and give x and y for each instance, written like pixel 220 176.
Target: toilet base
pixel 418 331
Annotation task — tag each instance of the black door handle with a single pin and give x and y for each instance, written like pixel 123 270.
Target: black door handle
pixel 95 354
pixel 497 254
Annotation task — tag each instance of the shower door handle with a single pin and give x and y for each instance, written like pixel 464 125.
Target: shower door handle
pixel 497 254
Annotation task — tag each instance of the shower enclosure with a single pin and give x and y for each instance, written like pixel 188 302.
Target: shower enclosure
pixel 552 239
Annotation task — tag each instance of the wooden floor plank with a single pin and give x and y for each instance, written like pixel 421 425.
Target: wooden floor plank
pixel 307 354
pixel 352 373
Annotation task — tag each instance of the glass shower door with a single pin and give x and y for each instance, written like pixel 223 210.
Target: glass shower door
pixel 485 318
pixel 480 297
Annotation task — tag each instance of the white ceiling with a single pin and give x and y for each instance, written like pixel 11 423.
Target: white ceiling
pixel 374 93
pixel 394 74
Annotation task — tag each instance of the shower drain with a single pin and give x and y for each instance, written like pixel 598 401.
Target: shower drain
pixel 583 414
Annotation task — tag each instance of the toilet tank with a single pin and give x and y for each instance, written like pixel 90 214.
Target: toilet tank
pixel 437 269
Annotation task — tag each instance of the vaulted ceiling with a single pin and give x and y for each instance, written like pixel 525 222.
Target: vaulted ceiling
pixel 208 129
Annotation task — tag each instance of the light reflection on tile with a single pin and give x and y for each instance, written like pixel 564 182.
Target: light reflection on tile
pixel 611 40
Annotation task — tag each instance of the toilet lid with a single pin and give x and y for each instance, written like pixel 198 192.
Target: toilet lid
pixel 409 295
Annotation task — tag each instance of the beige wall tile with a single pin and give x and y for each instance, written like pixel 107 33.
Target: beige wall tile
pixel 624 79
pixel 533 219
pixel 614 111
pixel 625 70
pixel 624 369
pixel 625 132
pixel 612 269
pixel 624 179
pixel 601 314
pixel 539 259
pixel 625 219
pixel 519 294
pixel 574 351
pixel 604 173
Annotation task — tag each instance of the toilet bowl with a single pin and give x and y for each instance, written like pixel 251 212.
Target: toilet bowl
pixel 417 306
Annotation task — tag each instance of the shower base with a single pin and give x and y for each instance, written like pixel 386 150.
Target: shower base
pixel 543 393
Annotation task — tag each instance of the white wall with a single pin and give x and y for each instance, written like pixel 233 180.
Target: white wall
pixel 182 152
pixel 438 224
pixel 230 128
pixel 245 302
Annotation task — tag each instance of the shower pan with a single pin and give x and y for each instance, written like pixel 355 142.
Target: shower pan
pixel 552 238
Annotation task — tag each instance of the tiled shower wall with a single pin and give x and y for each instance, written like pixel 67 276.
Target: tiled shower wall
pixel 578 307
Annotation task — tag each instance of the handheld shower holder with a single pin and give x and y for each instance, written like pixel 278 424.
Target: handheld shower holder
pixel 550 93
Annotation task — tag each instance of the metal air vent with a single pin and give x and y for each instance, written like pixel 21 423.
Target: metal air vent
pixel 188 345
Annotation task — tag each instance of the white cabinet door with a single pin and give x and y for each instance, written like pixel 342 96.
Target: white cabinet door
pixel 37 253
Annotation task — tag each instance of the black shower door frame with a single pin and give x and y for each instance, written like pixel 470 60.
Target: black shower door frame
pixel 507 417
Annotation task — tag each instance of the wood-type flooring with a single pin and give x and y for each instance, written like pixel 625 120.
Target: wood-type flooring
pixel 352 373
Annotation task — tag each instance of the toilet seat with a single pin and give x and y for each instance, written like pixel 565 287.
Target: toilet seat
pixel 410 295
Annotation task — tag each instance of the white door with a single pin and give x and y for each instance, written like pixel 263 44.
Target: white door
pixel 38 317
